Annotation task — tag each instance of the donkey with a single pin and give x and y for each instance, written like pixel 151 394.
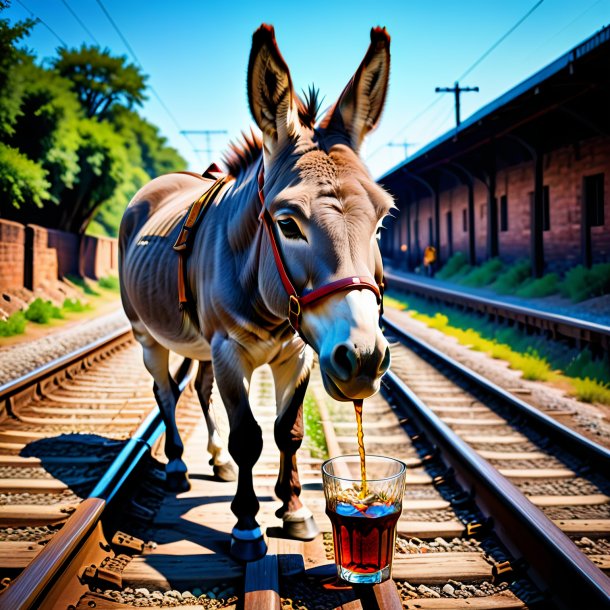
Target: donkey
pixel 286 257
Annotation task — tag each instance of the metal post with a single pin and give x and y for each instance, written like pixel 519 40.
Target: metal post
pixel 456 90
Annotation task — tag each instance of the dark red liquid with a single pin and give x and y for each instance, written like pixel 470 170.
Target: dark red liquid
pixel 363 544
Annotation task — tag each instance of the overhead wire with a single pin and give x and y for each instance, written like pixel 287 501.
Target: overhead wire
pixel 152 89
pixel 80 22
pixel 466 73
pixel 501 40
pixel 46 25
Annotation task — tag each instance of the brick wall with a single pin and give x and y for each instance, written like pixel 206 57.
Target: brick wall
pixel 12 237
pixel 564 170
pixel 41 261
pixel 31 255
pixel 66 245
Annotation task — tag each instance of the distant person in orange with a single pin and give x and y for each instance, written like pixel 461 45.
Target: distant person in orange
pixel 429 260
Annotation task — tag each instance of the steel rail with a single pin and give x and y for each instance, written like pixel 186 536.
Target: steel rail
pixel 30 588
pixel 581 331
pixel 57 365
pixel 588 450
pixel 553 561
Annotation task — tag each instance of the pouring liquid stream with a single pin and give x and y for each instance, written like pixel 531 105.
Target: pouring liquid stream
pixel 358 409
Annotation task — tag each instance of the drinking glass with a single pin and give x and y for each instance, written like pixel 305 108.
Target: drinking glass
pixel 364 520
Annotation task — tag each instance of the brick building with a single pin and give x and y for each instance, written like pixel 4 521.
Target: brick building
pixel 524 177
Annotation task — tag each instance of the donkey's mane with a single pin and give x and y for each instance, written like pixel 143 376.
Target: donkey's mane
pixel 244 152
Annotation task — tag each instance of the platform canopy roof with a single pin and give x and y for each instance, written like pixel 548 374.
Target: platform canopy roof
pixel 562 104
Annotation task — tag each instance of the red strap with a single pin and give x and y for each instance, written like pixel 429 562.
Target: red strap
pixel 344 284
pixel 295 302
pixel 288 287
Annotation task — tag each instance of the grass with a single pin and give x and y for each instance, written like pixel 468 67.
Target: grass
pixel 13 325
pixel 483 275
pixel 453 266
pixel 581 283
pixel 536 288
pixel 84 285
pixel 75 306
pixel 110 282
pixel 41 311
pixel 512 277
pixel 536 357
pixel 591 390
pixel 315 439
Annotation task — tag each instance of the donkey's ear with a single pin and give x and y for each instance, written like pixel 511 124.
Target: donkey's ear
pixel 272 100
pixel 359 107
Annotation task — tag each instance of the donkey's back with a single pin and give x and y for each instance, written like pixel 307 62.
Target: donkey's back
pixel 149 265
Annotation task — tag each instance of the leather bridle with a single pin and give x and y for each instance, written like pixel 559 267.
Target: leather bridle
pixel 296 303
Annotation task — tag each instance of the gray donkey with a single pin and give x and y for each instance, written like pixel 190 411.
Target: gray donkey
pixel 285 257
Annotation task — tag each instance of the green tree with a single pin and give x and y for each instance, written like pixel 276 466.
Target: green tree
pixel 71 143
pixel 22 180
pixel 100 79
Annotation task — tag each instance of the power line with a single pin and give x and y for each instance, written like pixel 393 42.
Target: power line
pixel 118 31
pixel 46 25
pixel 152 89
pixel 501 39
pixel 79 20
pixel 468 71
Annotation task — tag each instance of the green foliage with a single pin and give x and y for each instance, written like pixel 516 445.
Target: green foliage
pixel 83 284
pixel 71 146
pixel 47 127
pixel 11 86
pixel 315 440
pixel 483 275
pixel 456 263
pixel 590 390
pixel 13 325
pixel 41 311
pixel 584 366
pixel 541 287
pixel 101 80
pixel 110 282
pixel 581 283
pixel 21 179
pixel 509 280
pixel 74 305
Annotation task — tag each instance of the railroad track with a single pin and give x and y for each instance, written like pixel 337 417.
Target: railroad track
pixel 579 333
pixel 449 553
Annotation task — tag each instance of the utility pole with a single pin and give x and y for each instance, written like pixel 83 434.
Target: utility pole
pixel 208 133
pixel 456 90
pixel 404 145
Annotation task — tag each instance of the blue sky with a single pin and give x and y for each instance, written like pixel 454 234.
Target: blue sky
pixel 196 54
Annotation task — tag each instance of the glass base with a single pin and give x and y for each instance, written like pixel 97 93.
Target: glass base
pixel 369 578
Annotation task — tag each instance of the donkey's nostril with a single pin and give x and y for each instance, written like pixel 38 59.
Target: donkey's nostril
pixel 344 362
pixel 385 363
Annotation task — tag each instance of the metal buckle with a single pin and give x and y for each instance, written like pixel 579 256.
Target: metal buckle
pixel 294 311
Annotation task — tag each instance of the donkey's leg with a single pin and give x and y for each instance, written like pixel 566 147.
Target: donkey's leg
pixel 233 373
pixel 224 468
pixel 291 375
pixel 156 360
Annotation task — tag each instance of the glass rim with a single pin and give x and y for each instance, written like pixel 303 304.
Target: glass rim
pixel 403 468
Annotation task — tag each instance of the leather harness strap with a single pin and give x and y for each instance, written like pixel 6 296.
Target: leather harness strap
pixel 297 303
pixel 191 222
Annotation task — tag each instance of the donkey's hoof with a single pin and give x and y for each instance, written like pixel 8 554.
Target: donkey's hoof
pixel 177 482
pixel 225 472
pixel 305 529
pixel 248 549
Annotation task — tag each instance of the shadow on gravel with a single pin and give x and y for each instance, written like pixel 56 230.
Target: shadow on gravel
pixel 78 460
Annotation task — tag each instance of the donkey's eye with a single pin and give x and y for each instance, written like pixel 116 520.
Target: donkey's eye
pixel 290 229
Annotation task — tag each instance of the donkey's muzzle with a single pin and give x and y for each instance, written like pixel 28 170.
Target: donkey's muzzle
pixel 350 373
